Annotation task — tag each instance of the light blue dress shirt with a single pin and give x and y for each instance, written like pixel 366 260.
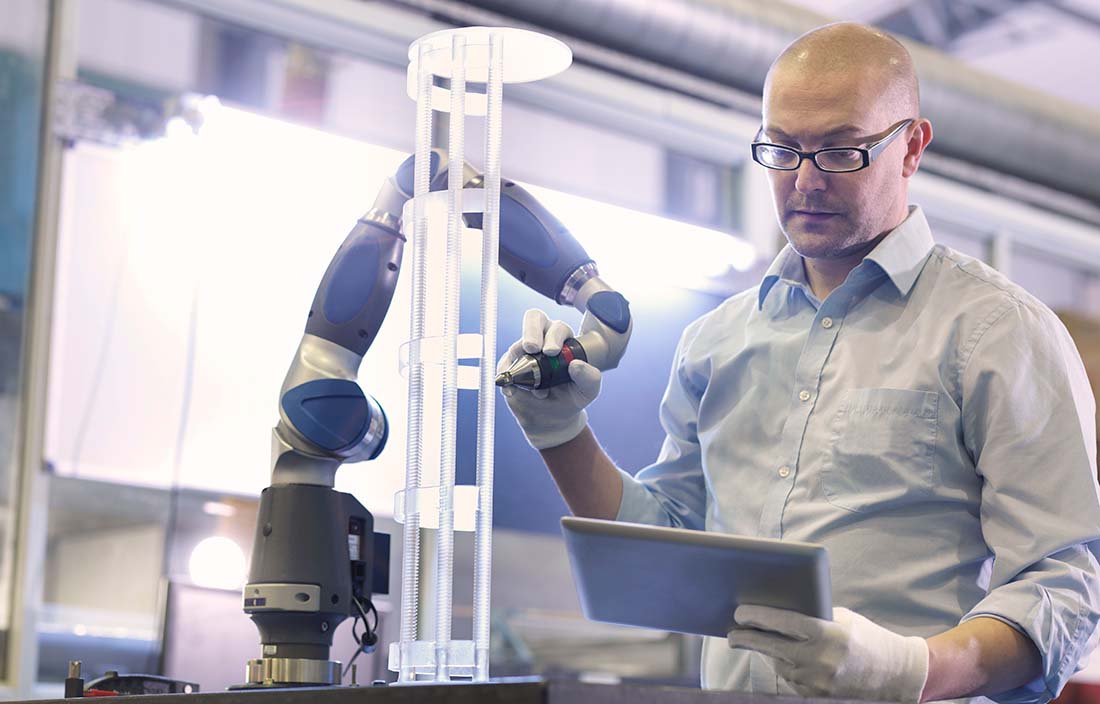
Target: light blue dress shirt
pixel 929 423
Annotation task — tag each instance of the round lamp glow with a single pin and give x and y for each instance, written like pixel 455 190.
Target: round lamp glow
pixel 217 562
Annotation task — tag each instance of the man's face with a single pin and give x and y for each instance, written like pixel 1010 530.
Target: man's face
pixel 833 215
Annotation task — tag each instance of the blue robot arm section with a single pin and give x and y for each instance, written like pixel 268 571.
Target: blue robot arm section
pixel 535 247
pixel 325 418
pixel 356 291
pixel 539 251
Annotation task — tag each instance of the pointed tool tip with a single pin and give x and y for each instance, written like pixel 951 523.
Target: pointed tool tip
pixel 504 379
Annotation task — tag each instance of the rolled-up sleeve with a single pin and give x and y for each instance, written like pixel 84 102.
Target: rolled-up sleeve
pixel 672 491
pixel 1029 424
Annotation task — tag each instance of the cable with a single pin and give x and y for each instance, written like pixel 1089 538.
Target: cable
pixel 368 640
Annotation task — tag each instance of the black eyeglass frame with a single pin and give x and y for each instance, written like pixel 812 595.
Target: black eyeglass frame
pixel 869 152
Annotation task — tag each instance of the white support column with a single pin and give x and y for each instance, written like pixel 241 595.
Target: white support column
pixel 30 543
pixel 451 58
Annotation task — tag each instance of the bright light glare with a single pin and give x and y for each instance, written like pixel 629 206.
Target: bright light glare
pixel 177 128
pixel 217 562
pixel 219 508
pixel 632 244
pixel 637 251
pixel 208 104
pixel 626 244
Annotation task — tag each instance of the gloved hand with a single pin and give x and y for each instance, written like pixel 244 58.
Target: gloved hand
pixel 549 417
pixel 849 657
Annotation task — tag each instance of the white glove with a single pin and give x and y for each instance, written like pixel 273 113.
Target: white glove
pixel 549 417
pixel 849 657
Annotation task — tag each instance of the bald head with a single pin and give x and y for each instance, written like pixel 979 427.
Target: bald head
pixel 861 55
pixel 838 87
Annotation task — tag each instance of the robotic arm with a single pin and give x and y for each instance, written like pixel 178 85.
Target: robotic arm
pixel 315 548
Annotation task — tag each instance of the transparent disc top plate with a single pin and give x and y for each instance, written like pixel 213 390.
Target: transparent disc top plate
pixel 528 56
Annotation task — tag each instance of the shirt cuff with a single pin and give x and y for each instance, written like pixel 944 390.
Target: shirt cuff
pixel 1056 634
pixel 638 504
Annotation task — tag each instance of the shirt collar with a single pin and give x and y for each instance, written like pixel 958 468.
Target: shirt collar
pixel 900 255
pixel 787 266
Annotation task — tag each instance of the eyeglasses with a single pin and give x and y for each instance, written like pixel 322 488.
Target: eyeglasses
pixel 830 159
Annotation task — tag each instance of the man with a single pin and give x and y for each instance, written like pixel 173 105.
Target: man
pixel 925 419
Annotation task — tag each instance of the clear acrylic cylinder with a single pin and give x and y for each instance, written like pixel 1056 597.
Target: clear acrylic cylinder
pixel 460 71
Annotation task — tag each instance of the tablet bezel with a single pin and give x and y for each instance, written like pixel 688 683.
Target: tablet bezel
pixel 689 581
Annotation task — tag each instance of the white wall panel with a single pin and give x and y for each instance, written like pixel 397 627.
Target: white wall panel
pixel 140 41
pixel 578 158
pixel 239 227
pixel 1059 286
pixel 368 101
pixel 22 27
pixel 124 584
pixel 121 291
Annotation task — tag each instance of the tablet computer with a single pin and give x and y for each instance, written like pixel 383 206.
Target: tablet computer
pixel 689 581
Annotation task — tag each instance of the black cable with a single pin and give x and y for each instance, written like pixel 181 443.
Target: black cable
pixel 368 640
pixel 359 605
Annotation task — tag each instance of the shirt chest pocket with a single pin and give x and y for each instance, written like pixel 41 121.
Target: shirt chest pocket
pixel 882 452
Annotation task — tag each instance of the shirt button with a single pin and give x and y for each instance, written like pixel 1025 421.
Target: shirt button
pixel 784 472
pixel 804 395
pixel 826 323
